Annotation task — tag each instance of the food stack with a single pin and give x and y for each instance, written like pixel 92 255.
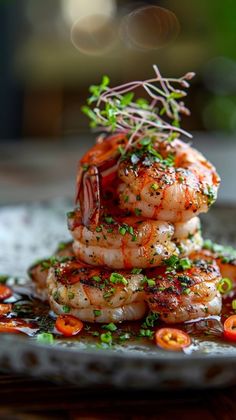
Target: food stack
pixel 136 231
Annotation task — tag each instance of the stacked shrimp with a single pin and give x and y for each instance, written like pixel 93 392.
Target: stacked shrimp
pixel 136 234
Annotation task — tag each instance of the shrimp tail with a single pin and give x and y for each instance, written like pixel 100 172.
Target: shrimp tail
pixel 88 195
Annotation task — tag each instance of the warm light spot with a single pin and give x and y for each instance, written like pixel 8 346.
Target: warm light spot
pixel 73 10
pixel 94 34
pixel 150 27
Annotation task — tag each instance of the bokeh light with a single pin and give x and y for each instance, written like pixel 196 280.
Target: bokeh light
pixel 150 27
pixel 220 114
pixel 219 75
pixel 73 10
pixel 93 34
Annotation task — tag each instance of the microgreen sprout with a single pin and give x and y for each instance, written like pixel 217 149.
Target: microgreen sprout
pixel 117 109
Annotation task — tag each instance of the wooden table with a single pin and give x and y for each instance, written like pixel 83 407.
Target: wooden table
pixel 30 399
pixel 32 171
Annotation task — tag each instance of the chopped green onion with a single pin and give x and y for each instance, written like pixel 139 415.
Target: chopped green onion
pixel 185 263
pixel 146 333
pixel 97 312
pixel 46 338
pixel 122 230
pixel 109 220
pixel 124 337
pixel 171 262
pixel 66 309
pixel 137 212
pixel 62 245
pixel 121 150
pixel 136 270
pixel 3 279
pixel 151 282
pixel 150 320
pixel 110 327
pixel 225 285
pixel 106 337
pixel 97 278
pixel 109 293
pixel 234 304
pixel 71 295
pixel 154 186
pixel 118 278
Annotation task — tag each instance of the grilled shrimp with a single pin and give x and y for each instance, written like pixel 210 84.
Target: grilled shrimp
pixel 38 272
pixel 184 291
pixel 127 241
pixel 95 294
pixel 166 181
pixel 225 257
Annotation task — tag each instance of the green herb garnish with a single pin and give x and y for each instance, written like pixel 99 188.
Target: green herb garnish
pixel 117 108
pixel 118 278
pixel 110 327
pixel 45 338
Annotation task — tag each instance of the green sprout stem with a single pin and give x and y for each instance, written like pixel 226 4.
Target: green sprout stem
pixel 116 109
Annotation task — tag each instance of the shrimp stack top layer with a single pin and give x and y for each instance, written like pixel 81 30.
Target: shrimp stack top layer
pixel 134 231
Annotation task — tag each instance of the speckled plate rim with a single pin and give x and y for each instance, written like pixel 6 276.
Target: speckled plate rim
pixel 95 368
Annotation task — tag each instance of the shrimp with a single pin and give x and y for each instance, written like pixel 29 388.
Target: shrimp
pixel 97 170
pixel 38 272
pixel 182 291
pixel 225 257
pixel 166 181
pixel 127 241
pixel 95 294
pixel 188 237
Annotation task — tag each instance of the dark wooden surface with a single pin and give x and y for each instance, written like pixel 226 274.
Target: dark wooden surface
pixel 24 398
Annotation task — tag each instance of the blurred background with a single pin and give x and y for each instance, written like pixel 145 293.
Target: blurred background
pixel 52 51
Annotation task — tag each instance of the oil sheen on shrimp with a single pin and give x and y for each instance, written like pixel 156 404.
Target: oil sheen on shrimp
pixel 184 294
pixel 123 242
pixel 167 181
pixel 95 294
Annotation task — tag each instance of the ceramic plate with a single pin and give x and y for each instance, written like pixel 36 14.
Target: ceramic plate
pixel 31 232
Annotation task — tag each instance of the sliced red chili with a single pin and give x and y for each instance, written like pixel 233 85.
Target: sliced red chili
pixel 172 339
pixel 5 292
pixel 230 328
pixel 5 308
pixel 68 325
pixel 15 325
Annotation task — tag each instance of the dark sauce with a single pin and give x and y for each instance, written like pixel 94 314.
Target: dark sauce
pixel 34 318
